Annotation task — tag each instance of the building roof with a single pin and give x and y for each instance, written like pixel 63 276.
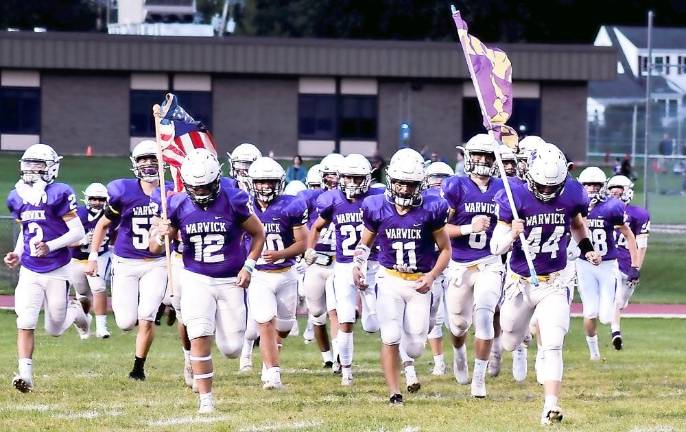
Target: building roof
pixel 283 56
pixel 627 88
pixel 662 37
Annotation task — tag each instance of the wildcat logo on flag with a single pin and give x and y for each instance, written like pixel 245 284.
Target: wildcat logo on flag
pixel 491 73
pixel 180 133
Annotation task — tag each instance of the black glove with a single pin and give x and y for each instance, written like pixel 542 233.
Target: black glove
pixel 633 274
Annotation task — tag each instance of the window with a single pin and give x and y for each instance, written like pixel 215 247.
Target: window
pixel 20 108
pixel 681 62
pixel 642 65
pixel 672 107
pixel 317 116
pixel 525 119
pixel 198 104
pixel 358 117
pixel 141 103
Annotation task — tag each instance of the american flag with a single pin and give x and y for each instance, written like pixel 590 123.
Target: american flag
pixel 180 133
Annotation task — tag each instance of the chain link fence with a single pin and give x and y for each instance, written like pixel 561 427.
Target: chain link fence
pixel 9 230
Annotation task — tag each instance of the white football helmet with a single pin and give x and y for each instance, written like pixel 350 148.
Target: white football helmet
pixel 509 161
pixel 39 163
pixel 437 172
pixel 480 144
pixel 294 187
pixel 200 173
pixel 97 192
pixel 405 177
pixel 314 177
pixel 270 174
pixel 620 181
pixel 329 167
pixel 407 153
pixel 240 160
pixel 527 146
pixel 594 179
pixel 148 172
pixel 355 175
pixel 547 172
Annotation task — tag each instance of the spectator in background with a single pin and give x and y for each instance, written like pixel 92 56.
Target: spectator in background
pixel 617 168
pixel 665 146
pixel 625 168
pixel 378 168
pixel 436 158
pixel 459 165
pixel 296 171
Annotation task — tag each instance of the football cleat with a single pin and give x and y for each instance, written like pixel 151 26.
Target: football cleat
pixel 102 333
pixel 328 365
pixel 83 327
pixel 188 375
pixel 206 405
pixel 494 363
pixel 461 369
pixel 519 363
pixel 617 340
pixel 24 385
pixel 336 367
pixel 138 375
pixel 274 383
pixel 346 377
pixel 396 400
pixel 479 386
pixel 594 357
pixel 551 415
pixel 439 369
pixel 413 384
pixel 171 317
pixel 308 334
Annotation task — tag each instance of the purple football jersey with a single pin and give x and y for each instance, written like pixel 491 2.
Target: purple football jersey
pixel 90 218
pixel 42 223
pixel 638 219
pixel 135 215
pixel 406 239
pixel 212 237
pixel 346 216
pixel 283 214
pixel 546 225
pixel 327 236
pixel 602 220
pixel 466 200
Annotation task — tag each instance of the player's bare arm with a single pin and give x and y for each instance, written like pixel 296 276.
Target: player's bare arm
pixel 313 237
pixel 255 230
pixel 98 236
pixel 361 256
pixel 580 234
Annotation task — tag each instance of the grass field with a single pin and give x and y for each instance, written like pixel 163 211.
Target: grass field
pixel 82 386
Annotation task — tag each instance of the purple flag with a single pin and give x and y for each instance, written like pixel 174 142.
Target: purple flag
pixel 491 73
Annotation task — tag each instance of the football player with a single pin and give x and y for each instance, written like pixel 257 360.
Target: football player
pixel 476 275
pixel 549 206
pixel 89 287
pixel 273 291
pixel 210 220
pixel 597 283
pixel 46 212
pixel 343 207
pixel 139 277
pixel 240 160
pixel 407 227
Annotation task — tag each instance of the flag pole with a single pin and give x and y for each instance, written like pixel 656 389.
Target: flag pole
pixel 157 114
pixel 498 159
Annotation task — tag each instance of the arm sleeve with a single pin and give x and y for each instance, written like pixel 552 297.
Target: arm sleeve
pixel 369 218
pixel 74 234
pixel 19 245
pixel 501 240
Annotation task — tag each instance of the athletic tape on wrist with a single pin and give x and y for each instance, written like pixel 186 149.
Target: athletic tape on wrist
pixel 249 265
pixel 466 229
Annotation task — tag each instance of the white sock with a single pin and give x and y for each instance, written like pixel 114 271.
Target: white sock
pixel 497 346
pixel 438 359
pixel 334 348
pixel 409 371
pixel 615 327
pixel 550 401
pixel 205 396
pixel 247 348
pixel 592 342
pixel 274 373
pixel 25 367
pixel 480 368
pixel 345 348
pixel 347 372
pixel 327 356
pixel 101 322
pixel 460 352
pixel 186 356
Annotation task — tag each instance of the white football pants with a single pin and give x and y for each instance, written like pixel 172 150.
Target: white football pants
pixel 597 286
pixel 138 287
pixel 346 295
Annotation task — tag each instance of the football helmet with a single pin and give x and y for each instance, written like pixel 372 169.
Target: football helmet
pixel 314 177
pixel 269 175
pixel 294 187
pixel 39 163
pixel 355 175
pixel 201 173
pixel 407 153
pixel 437 172
pixel 527 146
pixel 240 160
pixel 96 192
pixel 620 181
pixel 483 148
pixel 405 177
pixel 594 179
pixel 547 172
pixel 146 171
pixel 329 167
pixel 509 161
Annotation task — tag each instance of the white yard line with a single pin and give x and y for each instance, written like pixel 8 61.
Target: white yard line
pixel 175 421
pixel 278 426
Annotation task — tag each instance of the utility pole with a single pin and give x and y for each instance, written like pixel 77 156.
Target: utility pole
pixel 648 98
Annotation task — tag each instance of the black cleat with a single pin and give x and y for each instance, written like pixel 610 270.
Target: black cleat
pixel 328 365
pixel 414 388
pixel 617 340
pixel 138 375
pixel 158 316
pixel 396 400
pixel 171 317
pixel 22 385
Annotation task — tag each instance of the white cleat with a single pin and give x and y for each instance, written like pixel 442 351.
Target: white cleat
pixel 551 415
pixel 494 363
pixel 595 357
pixel 102 333
pixel 206 405
pixel 478 386
pixel 439 369
pixel 308 334
pixel 539 366
pixel 188 375
pixel 346 377
pixel 245 364
pixel 461 369
pixel 23 384
pixel 83 327
pixel 273 384
pixel 519 363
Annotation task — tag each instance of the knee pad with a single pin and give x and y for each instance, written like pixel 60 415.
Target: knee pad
pixel 414 346
pixel 199 327
pixel 318 320
pixel 370 323
pixel 458 325
pixel 390 334
pixel 552 363
pixel 483 324
pixel 284 325
pixel 27 321
pixel 125 323
pixel 510 341
pixel 231 347
pixel 436 332
pixel 54 328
